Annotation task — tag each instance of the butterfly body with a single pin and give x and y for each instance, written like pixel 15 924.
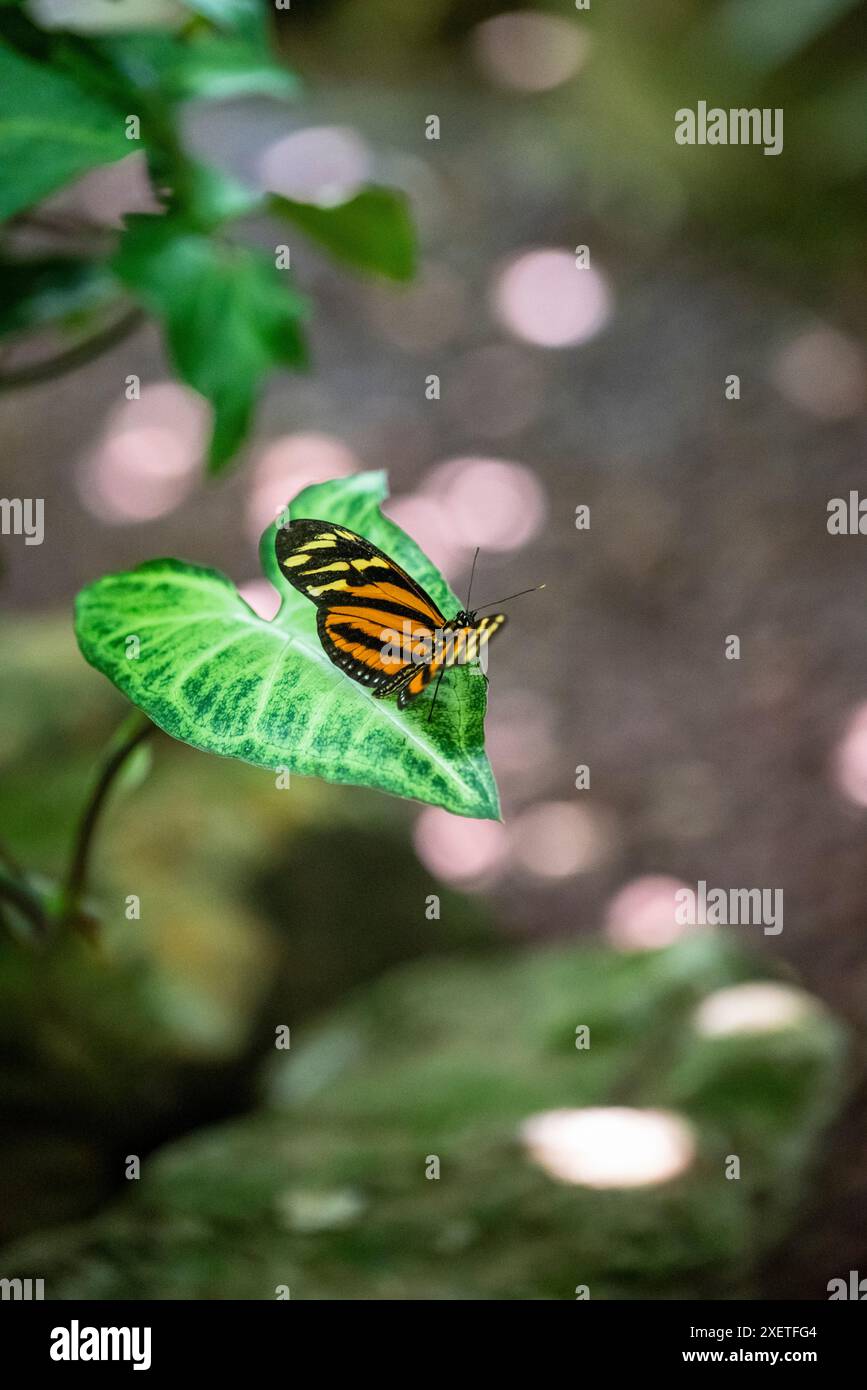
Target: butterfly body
pixel 375 622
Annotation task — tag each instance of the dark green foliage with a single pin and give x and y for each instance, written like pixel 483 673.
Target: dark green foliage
pixel 230 316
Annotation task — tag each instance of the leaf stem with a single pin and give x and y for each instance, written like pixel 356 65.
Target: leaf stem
pixel 130 734
pixel 75 356
pixel 14 891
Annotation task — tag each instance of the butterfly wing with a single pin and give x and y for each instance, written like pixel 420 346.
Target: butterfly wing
pixel 372 614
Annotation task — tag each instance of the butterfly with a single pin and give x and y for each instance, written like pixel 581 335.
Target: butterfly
pixel 374 621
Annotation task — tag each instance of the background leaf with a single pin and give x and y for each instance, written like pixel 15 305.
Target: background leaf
pixel 212 673
pixel 228 313
pixel 373 231
pixel 220 68
pixel 206 66
pixel 72 130
pixel 244 16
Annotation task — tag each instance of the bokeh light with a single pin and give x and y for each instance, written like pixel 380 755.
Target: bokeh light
pixel 850 759
pixel 557 838
pixel 824 372
pixel 426 520
pixel 108 16
pixel 642 916
pixel 752 1008
pixel 610 1147
pixel 529 52
pixel 149 456
pixel 325 165
pixel 490 502
pixel 288 464
pixel 469 852
pixel 542 297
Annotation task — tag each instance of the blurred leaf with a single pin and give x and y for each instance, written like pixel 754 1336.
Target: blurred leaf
pixel 373 231
pixel 228 314
pixel 50 131
pixel 203 66
pixel 212 673
pixel 212 197
pixel 217 68
pixel 764 34
pixel 144 61
pixel 37 292
pixel 831 135
pixel 246 16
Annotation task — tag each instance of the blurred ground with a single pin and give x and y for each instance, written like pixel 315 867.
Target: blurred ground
pixel 388 1162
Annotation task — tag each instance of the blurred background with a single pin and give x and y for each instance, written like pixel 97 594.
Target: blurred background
pixel 437 1128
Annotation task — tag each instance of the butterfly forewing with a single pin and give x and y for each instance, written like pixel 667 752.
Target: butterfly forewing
pixel 371 612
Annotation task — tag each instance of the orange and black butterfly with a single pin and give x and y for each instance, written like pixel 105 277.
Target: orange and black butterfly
pixel 375 622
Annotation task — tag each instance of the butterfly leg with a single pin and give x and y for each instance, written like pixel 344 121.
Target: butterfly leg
pixel 436 692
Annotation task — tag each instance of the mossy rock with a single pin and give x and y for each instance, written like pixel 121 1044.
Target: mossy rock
pixel 325 1192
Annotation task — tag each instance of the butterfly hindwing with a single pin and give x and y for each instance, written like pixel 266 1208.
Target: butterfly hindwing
pixel 368 652
pixel 371 612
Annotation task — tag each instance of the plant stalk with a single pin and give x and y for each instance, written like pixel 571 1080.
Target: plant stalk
pixel 75 356
pixel 131 734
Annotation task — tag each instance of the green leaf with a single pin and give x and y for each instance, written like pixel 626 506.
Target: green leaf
pixel 212 673
pixel 212 197
pixel 51 130
pixel 373 231
pixel 50 289
pixel 228 313
pixel 202 66
pixel 219 68
pixel 244 15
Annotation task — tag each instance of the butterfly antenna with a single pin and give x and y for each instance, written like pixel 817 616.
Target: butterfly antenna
pixel 509 597
pixel 467 608
pixel 436 691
